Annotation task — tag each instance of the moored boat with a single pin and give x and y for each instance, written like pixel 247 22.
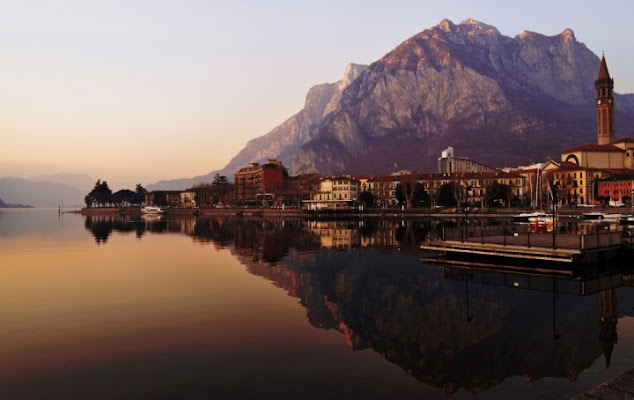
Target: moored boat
pixel 529 217
pixel 626 219
pixel 593 216
pixel 612 217
pixel 152 210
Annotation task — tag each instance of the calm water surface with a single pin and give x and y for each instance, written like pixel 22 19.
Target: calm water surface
pixel 113 307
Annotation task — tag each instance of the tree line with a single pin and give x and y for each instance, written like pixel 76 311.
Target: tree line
pixel 102 196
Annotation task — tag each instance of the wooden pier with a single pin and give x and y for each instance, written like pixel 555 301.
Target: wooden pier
pixel 564 248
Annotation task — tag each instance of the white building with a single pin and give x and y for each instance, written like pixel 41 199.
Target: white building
pixel 335 193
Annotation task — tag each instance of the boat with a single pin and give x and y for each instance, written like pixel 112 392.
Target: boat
pixel 529 217
pixel 593 216
pixel 626 219
pixel 152 210
pixel 613 217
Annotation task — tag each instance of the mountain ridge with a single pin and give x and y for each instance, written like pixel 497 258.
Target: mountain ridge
pixel 505 101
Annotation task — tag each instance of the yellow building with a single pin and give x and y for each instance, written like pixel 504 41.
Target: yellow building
pixel 335 193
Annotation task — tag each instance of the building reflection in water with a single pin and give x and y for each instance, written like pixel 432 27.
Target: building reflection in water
pixel 447 327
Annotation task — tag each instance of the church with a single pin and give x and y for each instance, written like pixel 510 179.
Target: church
pixel 596 173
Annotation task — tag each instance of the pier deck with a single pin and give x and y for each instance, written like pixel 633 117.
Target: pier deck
pixel 567 248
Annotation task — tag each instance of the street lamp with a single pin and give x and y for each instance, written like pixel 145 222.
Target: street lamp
pixel 466 211
pixel 553 194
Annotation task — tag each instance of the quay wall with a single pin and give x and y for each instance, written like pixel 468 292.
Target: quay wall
pixel 300 213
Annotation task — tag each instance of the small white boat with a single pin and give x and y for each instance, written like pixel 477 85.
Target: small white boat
pixel 529 217
pixel 152 210
pixel 627 219
pixel 612 217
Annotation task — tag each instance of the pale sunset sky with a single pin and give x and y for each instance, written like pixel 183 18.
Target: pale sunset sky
pixel 138 91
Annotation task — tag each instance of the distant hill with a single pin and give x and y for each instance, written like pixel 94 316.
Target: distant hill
pixel 40 194
pixel 84 183
pixel 5 205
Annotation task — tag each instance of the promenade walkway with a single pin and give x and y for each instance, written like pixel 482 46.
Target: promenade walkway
pixel 620 387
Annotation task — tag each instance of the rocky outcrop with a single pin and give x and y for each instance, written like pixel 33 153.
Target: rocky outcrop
pixel 502 100
pixel 283 142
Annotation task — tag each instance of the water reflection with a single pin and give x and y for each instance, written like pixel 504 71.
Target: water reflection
pixel 447 327
pixel 331 234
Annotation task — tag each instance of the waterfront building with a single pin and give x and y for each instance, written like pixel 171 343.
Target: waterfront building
pixel 383 189
pixel 335 193
pixel 169 198
pixel 616 187
pixel 449 164
pixel 257 184
pixel 577 184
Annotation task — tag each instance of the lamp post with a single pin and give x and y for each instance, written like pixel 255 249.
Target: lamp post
pixel 466 212
pixel 553 191
pixel 466 209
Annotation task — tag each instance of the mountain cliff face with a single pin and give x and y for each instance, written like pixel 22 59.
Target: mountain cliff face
pixel 499 100
pixel 283 142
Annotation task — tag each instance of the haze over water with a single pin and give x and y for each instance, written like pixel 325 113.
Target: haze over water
pixel 112 307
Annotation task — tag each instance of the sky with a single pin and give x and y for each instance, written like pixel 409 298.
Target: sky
pixel 138 91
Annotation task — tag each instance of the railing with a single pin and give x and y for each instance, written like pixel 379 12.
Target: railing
pixel 507 237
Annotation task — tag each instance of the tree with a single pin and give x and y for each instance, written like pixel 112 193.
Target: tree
pixel 367 198
pixel 140 193
pixel 220 180
pixel 100 196
pixel 496 192
pixel 411 193
pixel 448 194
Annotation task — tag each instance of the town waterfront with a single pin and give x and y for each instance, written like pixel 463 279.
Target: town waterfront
pixel 133 306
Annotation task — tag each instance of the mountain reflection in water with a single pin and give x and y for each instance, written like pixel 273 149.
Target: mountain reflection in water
pixel 450 328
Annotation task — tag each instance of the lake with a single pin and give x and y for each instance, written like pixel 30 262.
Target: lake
pixel 184 307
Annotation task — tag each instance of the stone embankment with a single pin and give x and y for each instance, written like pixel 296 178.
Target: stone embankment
pixel 373 212
pixel 617 388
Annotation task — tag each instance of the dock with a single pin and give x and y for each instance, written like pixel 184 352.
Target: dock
pixel 526 246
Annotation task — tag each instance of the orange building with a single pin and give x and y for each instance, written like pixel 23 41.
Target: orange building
pixel 616 187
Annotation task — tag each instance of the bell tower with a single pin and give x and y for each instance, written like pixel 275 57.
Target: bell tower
pixel 605 104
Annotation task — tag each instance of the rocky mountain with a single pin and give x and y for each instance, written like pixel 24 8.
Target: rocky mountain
pixel 283 142
pixel 496 99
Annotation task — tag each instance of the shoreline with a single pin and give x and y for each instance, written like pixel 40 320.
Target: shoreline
pixel 300 213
